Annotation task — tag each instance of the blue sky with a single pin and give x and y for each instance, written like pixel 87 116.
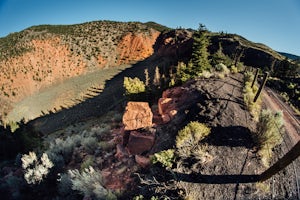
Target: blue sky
pixel 275 23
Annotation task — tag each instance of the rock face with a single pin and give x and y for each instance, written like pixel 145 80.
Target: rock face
pixel 172 100
pixel 134 47
pixel 137 115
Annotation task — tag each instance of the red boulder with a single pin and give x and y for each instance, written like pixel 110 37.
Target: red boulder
pixel 137 115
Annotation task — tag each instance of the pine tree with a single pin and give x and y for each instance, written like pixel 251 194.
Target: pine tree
pixel 200 54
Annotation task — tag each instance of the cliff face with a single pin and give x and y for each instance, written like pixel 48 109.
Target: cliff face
pixel 44 55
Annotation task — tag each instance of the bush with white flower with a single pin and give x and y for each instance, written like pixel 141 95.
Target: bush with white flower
pixel 35 170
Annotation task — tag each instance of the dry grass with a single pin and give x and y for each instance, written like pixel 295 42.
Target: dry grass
pixel 269 130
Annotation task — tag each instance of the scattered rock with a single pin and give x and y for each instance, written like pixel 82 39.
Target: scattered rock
pixel 137 115
pixel 121 152
pixel 139 143
pixel 142 161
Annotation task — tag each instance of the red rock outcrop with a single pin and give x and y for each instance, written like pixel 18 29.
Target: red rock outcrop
pixel 139 143
pixel 137 115
pixel 172 100
pixel 49 62
pixel 134 47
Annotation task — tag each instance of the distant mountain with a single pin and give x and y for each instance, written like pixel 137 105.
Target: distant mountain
pixel 290 56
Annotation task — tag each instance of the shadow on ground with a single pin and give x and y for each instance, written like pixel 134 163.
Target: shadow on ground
pixel 231 136
pixel 217 179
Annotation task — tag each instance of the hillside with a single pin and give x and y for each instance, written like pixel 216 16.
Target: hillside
pixel 253 54
pixel 47 54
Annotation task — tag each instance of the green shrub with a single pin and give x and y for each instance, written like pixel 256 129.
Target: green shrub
pixel 248 76
pixel 166 158
pixel 200 153
pixel 90 144
pixel 182 73
pixel 269 130
pixel 89 161
pixel 234 69
pixel 133 86
pixel 90 184
pixel 220 67
pixel 13 126
pixel 65 147
pixel 191 134
pixel 249 94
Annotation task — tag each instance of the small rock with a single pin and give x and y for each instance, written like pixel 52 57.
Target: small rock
pixel 165 118
pixel 121 152
pixel 142 161
pixel 172 113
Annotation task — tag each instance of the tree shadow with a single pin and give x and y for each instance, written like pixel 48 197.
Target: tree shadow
pixel 217 179
pixel 232 136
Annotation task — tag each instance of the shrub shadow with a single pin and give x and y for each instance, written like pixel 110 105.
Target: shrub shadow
pixel 217 179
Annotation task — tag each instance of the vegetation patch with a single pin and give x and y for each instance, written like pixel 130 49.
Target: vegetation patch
pixel 250 91
pixel 269 134
pixel 133 87
pixel 166 158
pixel 90 184
pixel 191 134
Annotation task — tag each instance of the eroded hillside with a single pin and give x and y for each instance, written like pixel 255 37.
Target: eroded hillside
pixel 44 55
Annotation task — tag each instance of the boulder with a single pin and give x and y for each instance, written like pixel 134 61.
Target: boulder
pixel 171 102
pixel 139 143
pixel 137 115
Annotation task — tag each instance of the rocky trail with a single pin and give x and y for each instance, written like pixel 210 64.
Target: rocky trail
pixel 231 165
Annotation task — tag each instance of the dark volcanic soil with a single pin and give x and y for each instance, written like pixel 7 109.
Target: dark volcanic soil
pixel 231 164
